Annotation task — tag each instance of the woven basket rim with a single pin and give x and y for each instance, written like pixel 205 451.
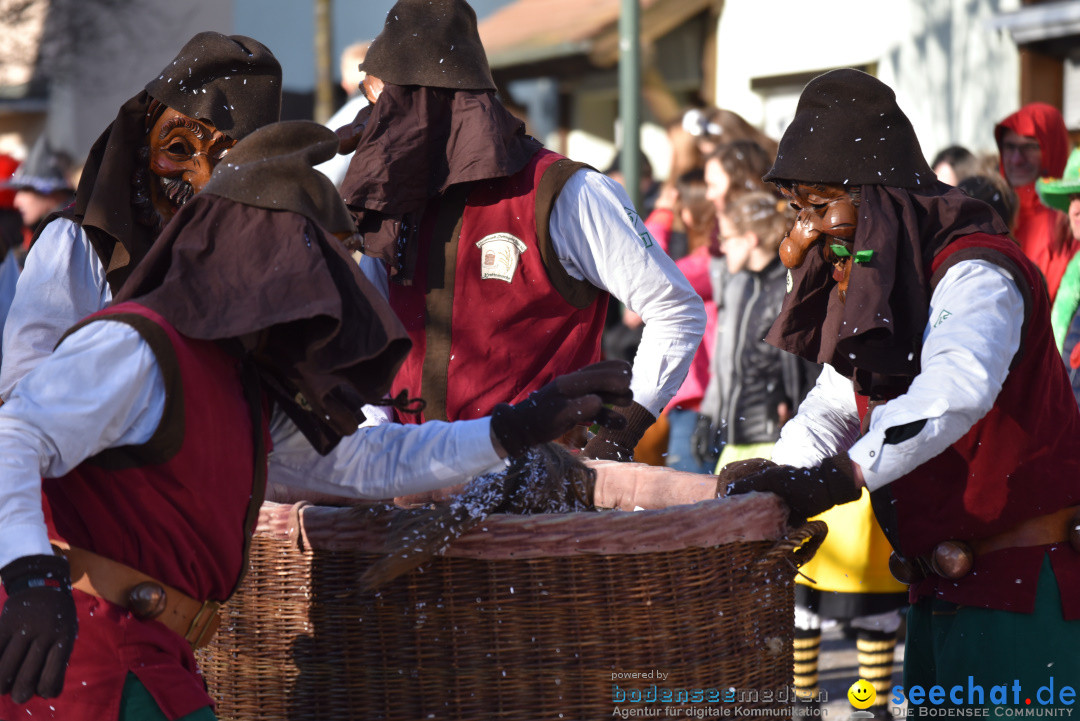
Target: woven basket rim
pixel 746 518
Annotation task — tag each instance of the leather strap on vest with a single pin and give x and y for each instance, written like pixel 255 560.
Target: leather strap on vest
pixel 253 394
pixel 578 293
pixel 117 583
pixel 439 300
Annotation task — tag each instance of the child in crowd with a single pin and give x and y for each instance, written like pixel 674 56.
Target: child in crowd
pixel 754 387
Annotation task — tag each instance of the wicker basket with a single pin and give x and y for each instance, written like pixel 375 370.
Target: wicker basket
pixel 541 617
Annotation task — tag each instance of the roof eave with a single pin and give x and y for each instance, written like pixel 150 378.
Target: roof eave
pixel 536 54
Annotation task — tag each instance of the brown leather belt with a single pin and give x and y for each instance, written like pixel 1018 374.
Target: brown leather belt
pixel 955 559
pixel 145 597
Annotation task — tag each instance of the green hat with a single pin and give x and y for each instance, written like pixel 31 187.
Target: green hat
pixel 1057 192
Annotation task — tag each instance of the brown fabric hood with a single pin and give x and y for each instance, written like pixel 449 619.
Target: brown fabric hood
pixel 278 284
pixel 419 141
pixel 434 43
pixel 232 81
pixel 878 329
pixel 271 169
pixel 848 130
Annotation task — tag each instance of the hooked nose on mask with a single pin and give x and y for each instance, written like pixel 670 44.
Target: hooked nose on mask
pixel 798 241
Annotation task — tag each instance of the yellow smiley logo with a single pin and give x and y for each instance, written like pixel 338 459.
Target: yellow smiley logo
pixel 861 694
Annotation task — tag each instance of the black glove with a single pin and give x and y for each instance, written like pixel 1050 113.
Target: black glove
pixel 37 627
pixel 576 398
pixel 617 444
pixel 705 442
pixel 737 470
pixel 807 491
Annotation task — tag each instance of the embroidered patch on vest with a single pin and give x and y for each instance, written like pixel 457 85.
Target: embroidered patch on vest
pixel 499 254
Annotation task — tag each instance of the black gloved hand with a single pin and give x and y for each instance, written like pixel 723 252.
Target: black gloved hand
pixel 576 398
pixel 349 135
pixel 737 470
pixel 705 442
pixel 807 491
pixel 617 444
pixel 38 626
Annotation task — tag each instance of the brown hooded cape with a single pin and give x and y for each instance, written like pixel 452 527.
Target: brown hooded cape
pixel 231 81
pixel 251 262
pixel 417 143
pixel 861 137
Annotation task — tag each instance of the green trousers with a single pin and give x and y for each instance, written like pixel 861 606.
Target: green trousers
pixel 996 658
pixel 137 704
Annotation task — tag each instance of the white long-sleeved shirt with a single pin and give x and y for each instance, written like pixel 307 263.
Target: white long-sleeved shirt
pixel 973 333
pixel 106 372
pixel 596 236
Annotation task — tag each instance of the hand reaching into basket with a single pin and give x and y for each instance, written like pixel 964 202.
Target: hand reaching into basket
pixel 807 491
pixel 576 398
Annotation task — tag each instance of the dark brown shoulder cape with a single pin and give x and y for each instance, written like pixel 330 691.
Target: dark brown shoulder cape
pixel 418 142
pixel 878 329
pixel 321 335
pixel 103 200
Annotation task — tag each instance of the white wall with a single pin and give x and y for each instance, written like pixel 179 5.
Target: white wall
pixel 145 36
pixel 954 76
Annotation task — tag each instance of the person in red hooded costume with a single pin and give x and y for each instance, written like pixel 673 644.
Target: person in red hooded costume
pixel 1034 143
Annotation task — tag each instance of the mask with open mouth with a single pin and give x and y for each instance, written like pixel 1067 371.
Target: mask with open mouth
pixel 179 158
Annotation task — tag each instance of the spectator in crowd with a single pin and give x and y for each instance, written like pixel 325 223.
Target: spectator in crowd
pixel 1064 194
pixel 996 192
pixel 754 388
pixel 41 187
pixel 1033 143
pixel 953 164
pixel 712 127
pixel 42 184
pixel 734 169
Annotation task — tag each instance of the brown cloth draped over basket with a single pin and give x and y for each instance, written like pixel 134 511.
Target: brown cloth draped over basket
pixel 525 617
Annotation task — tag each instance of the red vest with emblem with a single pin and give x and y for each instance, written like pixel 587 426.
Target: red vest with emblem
pixel 175 508
pixel 1020 461
pixel 509 330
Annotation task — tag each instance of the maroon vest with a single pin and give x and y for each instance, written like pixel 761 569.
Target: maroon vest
pixel 176 508
pixel 1020 461
pixel 492 314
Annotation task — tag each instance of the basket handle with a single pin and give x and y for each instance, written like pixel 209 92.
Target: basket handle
pixel 296 525
pixel 796 548
pixel 808 539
